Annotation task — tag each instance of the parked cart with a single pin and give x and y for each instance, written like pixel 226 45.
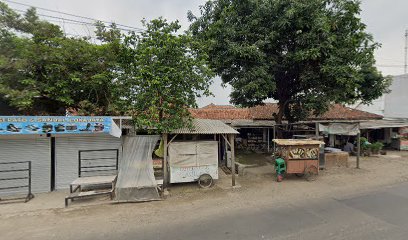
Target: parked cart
pixel 194 161
pixel 295 156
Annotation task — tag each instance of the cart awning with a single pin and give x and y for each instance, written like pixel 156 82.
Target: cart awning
pixel 348 129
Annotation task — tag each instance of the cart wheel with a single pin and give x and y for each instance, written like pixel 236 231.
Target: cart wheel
pixel 311 173
pixel 299 174
pixel 205 181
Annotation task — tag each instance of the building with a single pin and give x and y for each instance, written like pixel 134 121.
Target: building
pixel 257 127
pixel 55 146
pixel 391 105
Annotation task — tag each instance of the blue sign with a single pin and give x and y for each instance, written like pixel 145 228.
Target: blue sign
pixel 54 125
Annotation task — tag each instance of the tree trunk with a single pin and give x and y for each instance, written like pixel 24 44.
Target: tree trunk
pixel 281 111
pixel 279 117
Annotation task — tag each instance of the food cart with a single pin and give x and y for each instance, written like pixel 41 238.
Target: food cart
pixel 300 156
pixel 192 161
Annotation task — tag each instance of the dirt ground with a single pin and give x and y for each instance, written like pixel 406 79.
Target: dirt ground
pixel 251 158
pixel 45 216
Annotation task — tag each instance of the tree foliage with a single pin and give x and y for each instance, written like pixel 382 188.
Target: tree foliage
pixel 44 72
pixel 161 75
pixel 304 54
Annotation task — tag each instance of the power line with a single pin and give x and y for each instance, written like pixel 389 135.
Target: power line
pixel 74 15
pixel 67 22
pixel 76 21
pixel 80 36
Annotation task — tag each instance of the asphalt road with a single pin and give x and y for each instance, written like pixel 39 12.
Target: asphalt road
pixel 381 214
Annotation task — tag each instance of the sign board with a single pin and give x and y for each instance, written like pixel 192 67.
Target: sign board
pixel 15 125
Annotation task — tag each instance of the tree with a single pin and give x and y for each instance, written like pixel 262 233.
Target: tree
pixel 304 54
pixel 161 75
pixel 44 72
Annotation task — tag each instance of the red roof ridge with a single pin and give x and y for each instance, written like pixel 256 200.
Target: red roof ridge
pixel 265 112
pixel 214 106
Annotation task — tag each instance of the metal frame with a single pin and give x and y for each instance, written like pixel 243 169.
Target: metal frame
pixel 28 177
pixel 105 167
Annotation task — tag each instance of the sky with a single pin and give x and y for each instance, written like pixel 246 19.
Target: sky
pixel 386 19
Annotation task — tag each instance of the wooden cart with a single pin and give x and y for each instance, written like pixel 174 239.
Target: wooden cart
pixel 301 156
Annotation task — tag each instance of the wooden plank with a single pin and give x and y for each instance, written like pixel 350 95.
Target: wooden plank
pixel 94 180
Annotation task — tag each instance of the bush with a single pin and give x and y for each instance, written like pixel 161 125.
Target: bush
pixel 376 147
pixel 364 144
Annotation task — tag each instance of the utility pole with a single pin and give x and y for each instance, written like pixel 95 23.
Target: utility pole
pixel 406 52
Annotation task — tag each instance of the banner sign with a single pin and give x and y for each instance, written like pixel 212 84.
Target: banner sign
pixel 54 125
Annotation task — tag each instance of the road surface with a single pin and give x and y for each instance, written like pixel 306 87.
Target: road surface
pixel 382 214
pixel 379 214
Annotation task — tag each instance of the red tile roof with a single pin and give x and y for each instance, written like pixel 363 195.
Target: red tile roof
pixel 338 111
pixel 222 113
pixel 213 106
pixel 264 112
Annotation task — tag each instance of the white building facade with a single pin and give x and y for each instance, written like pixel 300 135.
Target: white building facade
pixel 393 104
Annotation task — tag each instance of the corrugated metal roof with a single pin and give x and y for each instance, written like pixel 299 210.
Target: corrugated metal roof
pixel 384 123
pixel 251 123
pixel 206 126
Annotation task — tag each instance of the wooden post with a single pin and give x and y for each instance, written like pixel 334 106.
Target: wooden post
pixel 317 130
pixel 268 139
pixel 225 152
pixel 219 149
pixel 165 169
pixel 358 151
pixel 274 136
pixel 231 140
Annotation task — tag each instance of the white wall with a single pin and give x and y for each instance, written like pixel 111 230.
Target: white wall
pixel 377 106
pixel 393 104
pixel 396 102
pixel 34 149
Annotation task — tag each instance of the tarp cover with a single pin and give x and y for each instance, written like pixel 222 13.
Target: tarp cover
pixel 349 129
pixel 193 153
pixel 136 181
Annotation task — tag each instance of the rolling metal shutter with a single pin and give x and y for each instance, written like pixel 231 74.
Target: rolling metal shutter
pixel 36 150
pixel 66 154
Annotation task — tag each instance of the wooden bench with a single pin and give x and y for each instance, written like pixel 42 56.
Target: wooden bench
pixel 79 195
pixel 159 183
pixel 95 182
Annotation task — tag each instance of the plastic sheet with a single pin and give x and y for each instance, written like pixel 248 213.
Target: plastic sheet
pixel 136 181
pixel 160 151
pixel 350 129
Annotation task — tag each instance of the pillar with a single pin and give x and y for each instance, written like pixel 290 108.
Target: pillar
pixel 358 151
pixel 165 169
pixel 232 142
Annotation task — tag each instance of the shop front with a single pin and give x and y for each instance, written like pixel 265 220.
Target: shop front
pixel 52 145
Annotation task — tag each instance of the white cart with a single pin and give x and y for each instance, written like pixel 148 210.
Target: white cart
pixel 192 161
